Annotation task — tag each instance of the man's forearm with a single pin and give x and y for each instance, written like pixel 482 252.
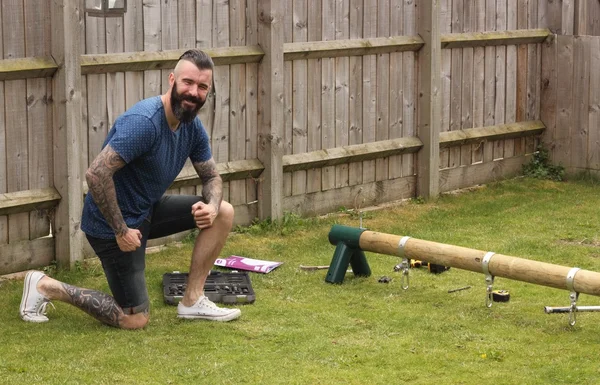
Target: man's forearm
pixel 212 191
pixel 104 194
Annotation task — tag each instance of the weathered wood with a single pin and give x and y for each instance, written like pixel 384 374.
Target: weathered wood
pixel 486 172
pixel 66 48
pixel 369 76
pixel 27 68
pixel 352 153
pixel 446 79
pixel 288 102
pixel 156 60
pixel 251 104
pixel 491 133
pixel 351 47
pixel 396 98
pixel 328 94
pixel 511 77
pixel 342 94
pixel 313 118
pixel 270 108
pixel 493 38
pixel 519 269
pixel 429 117
pixel 229 171
pixel 581 91
pixel 593 149
pixel 549 92
pixel 28 200
pixel 30 254
pixel 368 194
pixel 478 79
pixel 500 106
pixel 409 90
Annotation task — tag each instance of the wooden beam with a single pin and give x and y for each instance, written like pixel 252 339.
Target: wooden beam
pixel 353 153
pixel 27 67
pixel 491 38
pixel 429 99
pixel 350 47
pixel 28 200
pixel 67 142
pixel 141 61
pixel 504 131
pixel 229 171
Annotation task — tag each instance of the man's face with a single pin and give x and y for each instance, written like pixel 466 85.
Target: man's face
pixel 189 91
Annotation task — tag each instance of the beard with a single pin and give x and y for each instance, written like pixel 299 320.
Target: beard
pixel 183 114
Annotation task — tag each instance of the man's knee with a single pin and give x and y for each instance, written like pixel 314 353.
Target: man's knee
pixel 226 212
pixel 134 321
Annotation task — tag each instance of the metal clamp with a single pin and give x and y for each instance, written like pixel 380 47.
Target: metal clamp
pixel 404 266
pixel 489 279
pixel 573 295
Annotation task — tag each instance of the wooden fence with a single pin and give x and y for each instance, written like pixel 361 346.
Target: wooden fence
pixel 318 104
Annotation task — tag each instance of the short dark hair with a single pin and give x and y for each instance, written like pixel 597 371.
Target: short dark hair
pixel 200 58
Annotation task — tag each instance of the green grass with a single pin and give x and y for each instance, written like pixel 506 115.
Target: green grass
pixel 302 330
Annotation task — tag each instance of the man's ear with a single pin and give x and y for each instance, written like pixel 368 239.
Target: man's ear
pixel 171 78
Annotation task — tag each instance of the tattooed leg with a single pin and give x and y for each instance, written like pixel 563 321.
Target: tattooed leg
pixel 99 305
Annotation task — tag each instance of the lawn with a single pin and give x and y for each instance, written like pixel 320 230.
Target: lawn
pixel 302 330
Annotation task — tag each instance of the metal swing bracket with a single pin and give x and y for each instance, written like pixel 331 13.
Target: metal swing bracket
pixel 489 278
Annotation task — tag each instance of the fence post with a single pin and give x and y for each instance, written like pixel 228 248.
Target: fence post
pixel 66 94
pixel 429 108
pixel 270 108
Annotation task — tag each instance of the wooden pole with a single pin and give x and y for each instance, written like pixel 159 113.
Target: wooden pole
pixel 66 94
pixel 270 108
pixel 539 273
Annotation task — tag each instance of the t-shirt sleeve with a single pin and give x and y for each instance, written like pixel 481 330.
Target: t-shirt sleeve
pixel 201 152
pixel 133 136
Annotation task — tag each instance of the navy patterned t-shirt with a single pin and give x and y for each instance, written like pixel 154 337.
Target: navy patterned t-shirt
pixel 154 155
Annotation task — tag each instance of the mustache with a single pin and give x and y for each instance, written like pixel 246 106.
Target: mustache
pixel 191 99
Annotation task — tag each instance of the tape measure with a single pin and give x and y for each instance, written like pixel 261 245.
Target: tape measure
pixel 500 296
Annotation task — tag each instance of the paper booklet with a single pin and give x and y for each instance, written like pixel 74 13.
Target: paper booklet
pixel 248 264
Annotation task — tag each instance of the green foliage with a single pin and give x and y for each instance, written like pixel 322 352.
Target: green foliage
pixel 289 223
pixel 541 168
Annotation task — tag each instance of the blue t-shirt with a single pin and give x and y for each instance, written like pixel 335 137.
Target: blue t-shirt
pixel 154 155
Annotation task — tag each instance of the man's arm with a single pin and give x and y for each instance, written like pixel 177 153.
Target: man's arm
pixel 102 187
pixel 212 191
pixel 212 184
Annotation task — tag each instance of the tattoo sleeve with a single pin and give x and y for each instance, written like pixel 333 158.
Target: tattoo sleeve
pixel 102 187
pixel 212 184
pixel 99 305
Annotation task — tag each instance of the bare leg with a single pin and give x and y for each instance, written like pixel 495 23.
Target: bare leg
pixel 207 248
pixel 99 305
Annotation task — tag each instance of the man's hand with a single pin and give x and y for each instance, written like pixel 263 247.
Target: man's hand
pixel 130 240
pixel 204 214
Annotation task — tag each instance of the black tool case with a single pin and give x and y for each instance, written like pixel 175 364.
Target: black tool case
pixel 223 287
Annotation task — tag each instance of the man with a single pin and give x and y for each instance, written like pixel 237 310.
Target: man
pixel 143 153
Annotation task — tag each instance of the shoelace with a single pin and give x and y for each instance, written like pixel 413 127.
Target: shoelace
pixel 42 309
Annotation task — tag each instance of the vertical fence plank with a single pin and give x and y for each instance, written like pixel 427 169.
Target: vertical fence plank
pixel 564 105
pixel 342 95
pixel 369 87
pixel 204 39
pixel 490 83
pixel 355 91
pixel 152 43
pixel 299 94
pixel 593 149
pixel 522 10
pixel 533 75
pixel 383 88
pixel 37 42
pixel 396 90
pixel 581 91
pixel 251 98
pixel 549 93
pixel 478 23
pixel 237 113
pixel 466 120
pixel 133 23
pixel 511 77
pixel 409 86
pixel 456 81
pixel 328 94
pixel 3 169
pixel 115 81
pixel 446 77
pixel 288 120
pixel 568 17
pixel 500 107
pixel 17 151
pixel 315 23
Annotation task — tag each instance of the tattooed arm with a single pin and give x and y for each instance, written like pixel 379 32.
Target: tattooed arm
pixel 102 187
pixel 212 192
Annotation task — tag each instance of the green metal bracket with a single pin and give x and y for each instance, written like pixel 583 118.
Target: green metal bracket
pixel 347 253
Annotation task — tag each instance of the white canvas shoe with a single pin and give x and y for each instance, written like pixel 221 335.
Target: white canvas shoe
pixel 33 303
pixel 206 309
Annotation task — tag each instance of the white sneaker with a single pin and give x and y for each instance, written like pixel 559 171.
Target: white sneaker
pixel 206 309
pixel 33 303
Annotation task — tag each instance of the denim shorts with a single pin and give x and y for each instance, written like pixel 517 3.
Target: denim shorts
pixel 125 270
